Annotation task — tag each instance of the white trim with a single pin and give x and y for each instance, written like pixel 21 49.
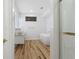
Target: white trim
pixel 55 34
pixel 8 30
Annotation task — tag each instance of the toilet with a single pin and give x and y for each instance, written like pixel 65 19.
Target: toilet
pixel 45 38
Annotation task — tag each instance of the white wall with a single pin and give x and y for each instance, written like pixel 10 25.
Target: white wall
pixel 43 24
pixel 33 28
pixel 33 8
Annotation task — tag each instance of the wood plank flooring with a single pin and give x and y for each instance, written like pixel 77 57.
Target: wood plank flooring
pixel 32 49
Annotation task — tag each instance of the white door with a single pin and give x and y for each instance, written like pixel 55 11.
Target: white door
pixel 67 41
pixel 8 34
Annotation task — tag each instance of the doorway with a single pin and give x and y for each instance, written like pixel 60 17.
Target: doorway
pixel 49 30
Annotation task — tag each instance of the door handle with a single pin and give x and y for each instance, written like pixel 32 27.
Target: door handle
pixel 4 40
pixel 69 33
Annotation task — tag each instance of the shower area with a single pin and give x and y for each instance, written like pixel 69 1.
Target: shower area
pixel 33 27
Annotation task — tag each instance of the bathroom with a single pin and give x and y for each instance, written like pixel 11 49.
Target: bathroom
pixel 33 22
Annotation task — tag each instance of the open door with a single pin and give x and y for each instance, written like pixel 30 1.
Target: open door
pixel 8 46
pixel 67 24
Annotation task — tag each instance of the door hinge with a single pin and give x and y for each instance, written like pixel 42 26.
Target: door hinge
pixel 60 0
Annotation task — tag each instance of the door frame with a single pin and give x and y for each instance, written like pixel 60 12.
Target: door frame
pixel 55 33
pixel 8 46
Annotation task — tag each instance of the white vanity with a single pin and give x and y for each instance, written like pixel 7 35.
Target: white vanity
pixel 19 36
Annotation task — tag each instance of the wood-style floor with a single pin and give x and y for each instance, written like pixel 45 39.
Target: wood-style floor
pixel 32 49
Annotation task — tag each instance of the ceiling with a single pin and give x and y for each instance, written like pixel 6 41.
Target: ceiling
pixel 32 6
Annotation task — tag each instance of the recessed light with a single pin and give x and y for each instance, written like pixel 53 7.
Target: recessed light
pixel 42 7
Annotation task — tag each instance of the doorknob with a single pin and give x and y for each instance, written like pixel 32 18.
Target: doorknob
pixel 4 40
